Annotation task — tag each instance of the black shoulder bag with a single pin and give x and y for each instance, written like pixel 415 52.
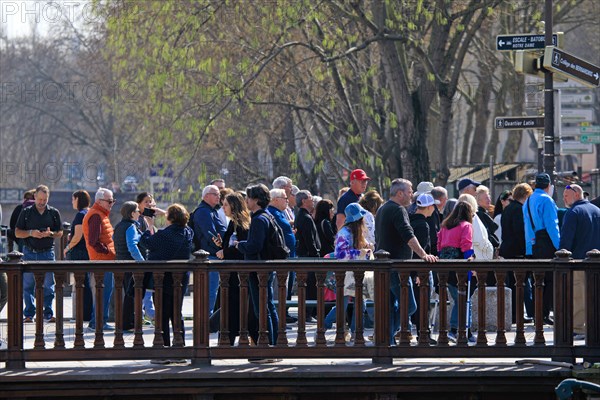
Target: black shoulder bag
pixel 543 246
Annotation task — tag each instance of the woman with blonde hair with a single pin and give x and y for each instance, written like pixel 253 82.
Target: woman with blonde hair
pixel 481 245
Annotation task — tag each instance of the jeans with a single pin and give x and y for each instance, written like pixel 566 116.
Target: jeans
pixel 272 317
pixel 213 288
pixel 109 285
pixel 454 314
pixel 395 304
pixel 331 316
pixel 29 284
pixel 148 304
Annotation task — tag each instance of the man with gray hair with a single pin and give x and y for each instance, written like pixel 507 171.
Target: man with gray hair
pixel 394 234
pixel 440 194
pixel 308 243
pixel 209 228
pixel 285 183
pixel 98 234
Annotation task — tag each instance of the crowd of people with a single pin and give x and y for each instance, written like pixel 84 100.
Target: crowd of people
pixel 241 225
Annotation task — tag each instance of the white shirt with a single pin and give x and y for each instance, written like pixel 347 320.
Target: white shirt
pixel 481 244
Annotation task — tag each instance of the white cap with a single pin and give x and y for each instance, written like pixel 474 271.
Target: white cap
pixel 426 200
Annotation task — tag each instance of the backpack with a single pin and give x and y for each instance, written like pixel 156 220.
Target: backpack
pixel 276 247
pixel 191 224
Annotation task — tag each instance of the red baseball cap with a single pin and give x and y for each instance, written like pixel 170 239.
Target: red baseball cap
pixel 360 175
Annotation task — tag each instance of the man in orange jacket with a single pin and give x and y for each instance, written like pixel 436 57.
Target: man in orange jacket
pixel 98 233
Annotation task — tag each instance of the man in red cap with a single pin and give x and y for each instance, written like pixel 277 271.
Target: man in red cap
pixel 358 185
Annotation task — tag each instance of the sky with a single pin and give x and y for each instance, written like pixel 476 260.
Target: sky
pixel 19 17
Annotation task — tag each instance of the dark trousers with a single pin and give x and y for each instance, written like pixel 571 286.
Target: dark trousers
pixel 168 307
pixel 511 283
pixel 416 317
pixel 311 293
pixel 235 311
pixel 548 293
pixel 128 302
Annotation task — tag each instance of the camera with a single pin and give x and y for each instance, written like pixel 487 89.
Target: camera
pixel 148 212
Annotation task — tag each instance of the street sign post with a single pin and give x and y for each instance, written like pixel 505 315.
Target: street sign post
pixel 594 139
pixel 525 41
pixel 575 68
pixel 513 123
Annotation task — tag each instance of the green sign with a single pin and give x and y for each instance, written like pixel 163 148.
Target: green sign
pixel 590 129
pixel 595 139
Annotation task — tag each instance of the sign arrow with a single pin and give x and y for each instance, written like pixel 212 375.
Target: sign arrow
pixel 525 41
pixel 571 66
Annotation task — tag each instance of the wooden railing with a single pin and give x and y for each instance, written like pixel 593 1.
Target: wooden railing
pixel 72 347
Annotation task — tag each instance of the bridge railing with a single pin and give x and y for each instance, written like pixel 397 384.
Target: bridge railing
pixel 73 346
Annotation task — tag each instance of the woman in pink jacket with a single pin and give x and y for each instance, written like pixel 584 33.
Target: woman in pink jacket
pixel 455 241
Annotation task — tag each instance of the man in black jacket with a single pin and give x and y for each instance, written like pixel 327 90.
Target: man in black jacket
pixel 394 234
pixel 307 239
pixel 307 244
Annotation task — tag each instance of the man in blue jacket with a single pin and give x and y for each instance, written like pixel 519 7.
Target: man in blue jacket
pixel 542 237
pixel 208 225
pixel 580 233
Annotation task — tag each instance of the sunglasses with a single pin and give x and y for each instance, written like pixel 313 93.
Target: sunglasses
pixel 568 187
pixel 111 201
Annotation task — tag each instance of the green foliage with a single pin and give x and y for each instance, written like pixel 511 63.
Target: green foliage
pixel 219 76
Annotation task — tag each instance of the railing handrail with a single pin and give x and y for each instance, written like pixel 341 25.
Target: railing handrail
pixel 562 268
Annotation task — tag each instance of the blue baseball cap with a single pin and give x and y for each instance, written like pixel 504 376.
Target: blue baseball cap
pixel 463 183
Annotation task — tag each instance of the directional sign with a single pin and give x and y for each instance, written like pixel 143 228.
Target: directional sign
pixel 571 66
pixel 573 115
pixel 575 147
pixel 577 98
pixel 519 122
pixel 595 139
pixel 589 129
pixel 523 42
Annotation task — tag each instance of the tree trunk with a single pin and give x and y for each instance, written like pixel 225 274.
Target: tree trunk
pixel 464 158
pixel 511 149
pixel 446 133
pixel 482 116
